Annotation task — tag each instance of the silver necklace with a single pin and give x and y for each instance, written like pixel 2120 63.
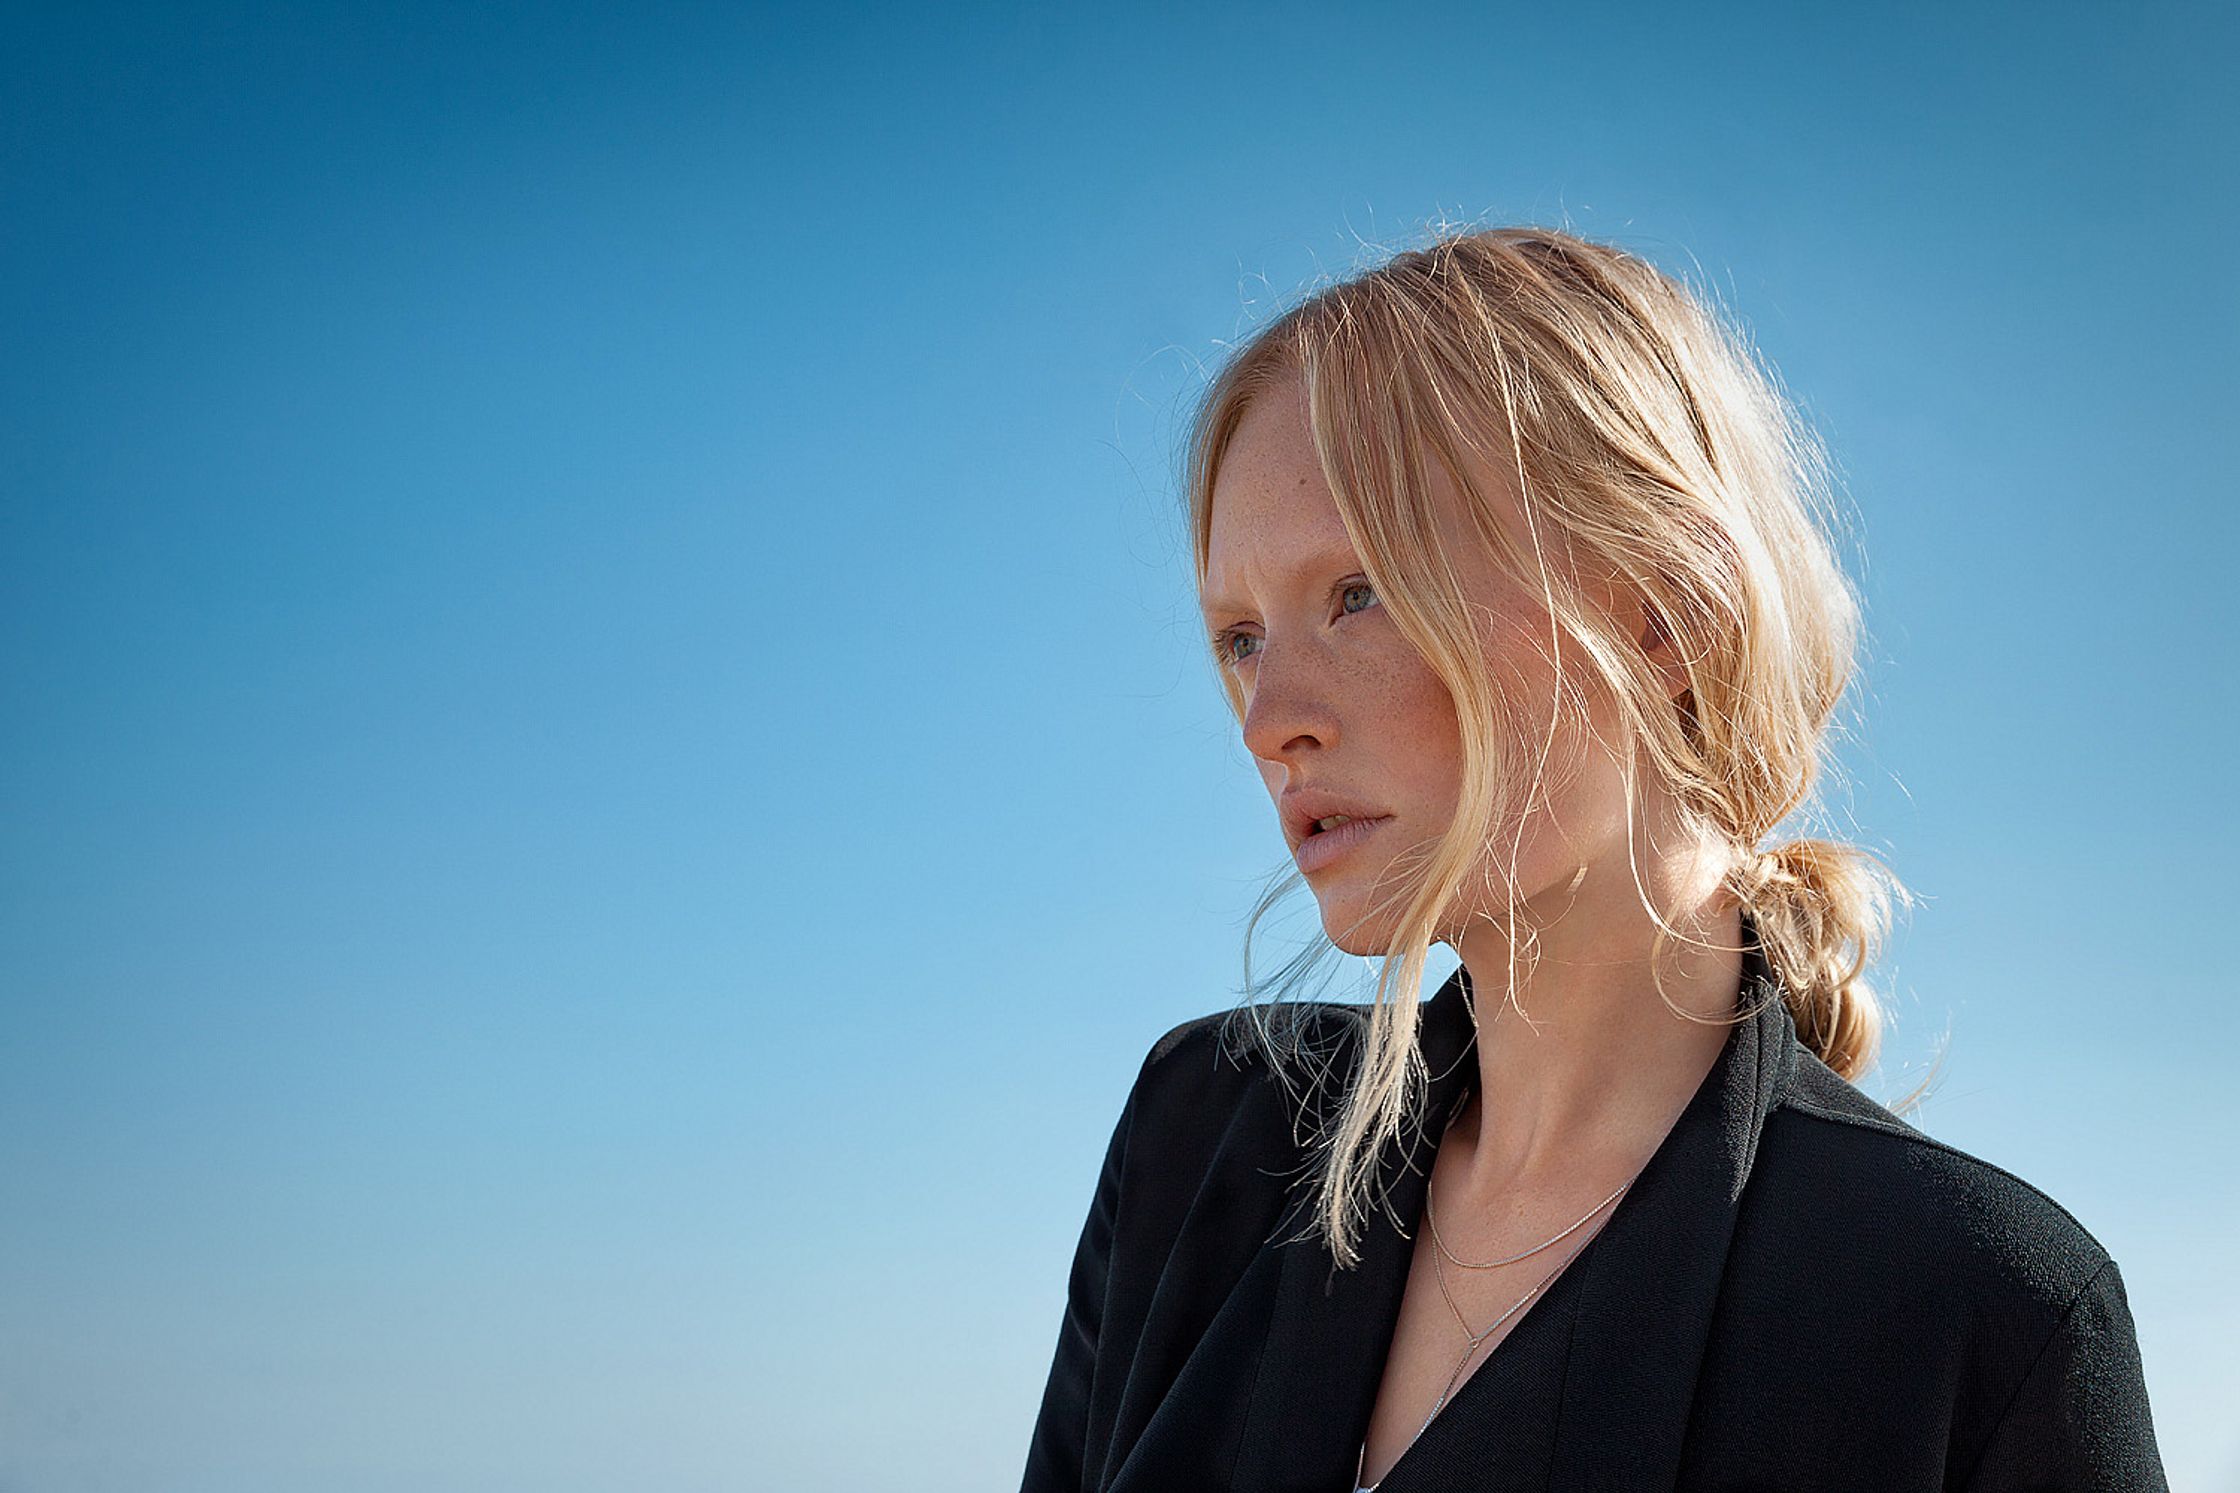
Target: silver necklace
pixel 1441 1244
pixel 1474 1340
pixel 1431 1215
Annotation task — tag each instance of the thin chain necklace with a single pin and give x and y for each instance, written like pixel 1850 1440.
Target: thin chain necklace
pixel 1477 1339
pixel 1441 1244
pixel 1431 1215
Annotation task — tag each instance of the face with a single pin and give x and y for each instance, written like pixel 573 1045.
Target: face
pixel 1339 703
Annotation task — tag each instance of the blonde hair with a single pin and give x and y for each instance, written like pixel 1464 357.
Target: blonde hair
pixel 1648 447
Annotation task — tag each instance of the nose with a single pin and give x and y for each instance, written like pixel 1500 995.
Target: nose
pixel 1287 703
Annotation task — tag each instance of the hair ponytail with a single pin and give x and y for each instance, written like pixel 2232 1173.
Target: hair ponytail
pixel 1822 913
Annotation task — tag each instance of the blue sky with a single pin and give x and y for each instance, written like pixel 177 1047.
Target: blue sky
pixel 605 769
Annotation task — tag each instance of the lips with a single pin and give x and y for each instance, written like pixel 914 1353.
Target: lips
pixel 1305 808
pixel 1319 850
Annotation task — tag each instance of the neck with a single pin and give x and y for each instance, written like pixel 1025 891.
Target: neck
pixel 1583 1082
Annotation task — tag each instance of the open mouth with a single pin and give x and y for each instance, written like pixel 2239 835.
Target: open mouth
pixel 1316 831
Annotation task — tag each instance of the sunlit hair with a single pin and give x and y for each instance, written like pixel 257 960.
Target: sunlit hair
pixel 1648 446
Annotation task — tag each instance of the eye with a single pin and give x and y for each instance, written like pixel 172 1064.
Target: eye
pixel 1224 641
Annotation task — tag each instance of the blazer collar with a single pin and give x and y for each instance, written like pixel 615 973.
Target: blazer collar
pixel 1646 1292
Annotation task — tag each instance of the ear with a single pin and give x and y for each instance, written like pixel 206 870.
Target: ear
pixel 1654 635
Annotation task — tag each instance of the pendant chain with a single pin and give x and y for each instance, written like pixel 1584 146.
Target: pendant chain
pixel 1475 1340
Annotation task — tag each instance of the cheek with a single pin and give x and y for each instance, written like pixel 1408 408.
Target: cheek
pixel 1420 715
pixel 1428 713
pixel 1524 686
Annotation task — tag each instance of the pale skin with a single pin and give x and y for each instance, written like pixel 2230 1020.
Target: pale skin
pixel 1572 1102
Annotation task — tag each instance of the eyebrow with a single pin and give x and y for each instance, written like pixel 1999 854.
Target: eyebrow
pixel 1327 558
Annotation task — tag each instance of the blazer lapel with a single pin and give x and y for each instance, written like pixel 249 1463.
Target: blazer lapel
pixel 1645 1305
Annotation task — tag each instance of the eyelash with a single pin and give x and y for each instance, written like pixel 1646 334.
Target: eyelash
pixel 1223 638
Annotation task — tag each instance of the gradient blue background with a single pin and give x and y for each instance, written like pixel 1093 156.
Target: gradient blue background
pixel 606 771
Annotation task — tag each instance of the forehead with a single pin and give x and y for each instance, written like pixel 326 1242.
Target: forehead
pixel 1275 525
pixel 1274 518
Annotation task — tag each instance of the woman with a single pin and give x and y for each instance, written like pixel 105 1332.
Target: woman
pixel 1515 574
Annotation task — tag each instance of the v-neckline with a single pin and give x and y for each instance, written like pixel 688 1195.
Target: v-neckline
pixel 1537 1316
pixel 1635 1348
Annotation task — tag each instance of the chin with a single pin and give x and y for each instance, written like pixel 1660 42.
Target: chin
pixel 1365 941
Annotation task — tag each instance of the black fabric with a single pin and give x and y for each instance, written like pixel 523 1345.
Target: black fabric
pixel 1799 1292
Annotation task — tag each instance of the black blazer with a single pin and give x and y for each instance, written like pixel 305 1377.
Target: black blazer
pixel 1799 1292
